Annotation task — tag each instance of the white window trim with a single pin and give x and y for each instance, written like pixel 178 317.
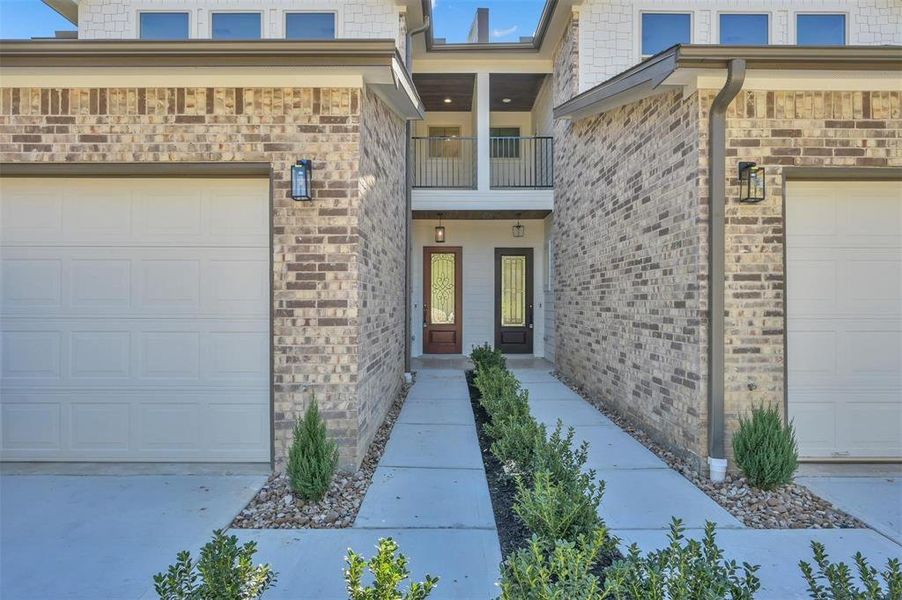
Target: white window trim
pixel 338 11
pixel 670 10
pixel 794 23
pixel 715 26
pixel 215 11
pixel 156 8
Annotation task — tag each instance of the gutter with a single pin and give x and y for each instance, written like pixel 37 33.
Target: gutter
pixel 408 213
pixel 717 133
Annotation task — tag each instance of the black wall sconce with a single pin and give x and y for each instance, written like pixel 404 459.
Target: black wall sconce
pixel 518 229
pixel 751 182
pixel 440 231
pixel 301 176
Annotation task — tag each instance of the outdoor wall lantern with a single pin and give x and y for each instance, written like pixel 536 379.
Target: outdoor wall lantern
pixel 518 229
pixel 751 182
pixel 440 231
pixel 301 174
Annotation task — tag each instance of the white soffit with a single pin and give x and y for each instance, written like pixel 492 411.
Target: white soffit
pixel 789 80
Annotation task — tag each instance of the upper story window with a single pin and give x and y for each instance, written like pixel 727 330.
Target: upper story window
pixel 163 25
pixel 310 26
pixel 744 30
pixel 236 26
pixel 506 143
pixel 663 30
pixel 443 142
pixel 820 30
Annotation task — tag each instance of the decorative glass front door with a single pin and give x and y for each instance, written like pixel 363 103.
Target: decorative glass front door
pixel 513 300
pixel 442 300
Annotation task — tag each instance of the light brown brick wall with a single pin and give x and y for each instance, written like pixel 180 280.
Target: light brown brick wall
pixel 317 245
pixel 628 300
pixel 631 217
pixel 381 265
pixel 778 130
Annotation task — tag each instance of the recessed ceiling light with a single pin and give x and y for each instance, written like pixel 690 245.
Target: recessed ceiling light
pixel 447 100
pixel 506 100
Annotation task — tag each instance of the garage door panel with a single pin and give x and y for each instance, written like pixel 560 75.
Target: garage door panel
pixel 844 317
pixel 135 317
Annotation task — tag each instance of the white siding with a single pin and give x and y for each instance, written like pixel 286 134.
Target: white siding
pixel 478 240
pixel 99 19
pixel 548 288
pixel 609 30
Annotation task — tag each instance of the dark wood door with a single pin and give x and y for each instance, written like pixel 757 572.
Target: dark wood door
pixel 513 300
pixel 442 300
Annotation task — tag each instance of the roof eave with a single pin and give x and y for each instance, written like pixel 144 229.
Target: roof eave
pixel 648 77
pixel 68 9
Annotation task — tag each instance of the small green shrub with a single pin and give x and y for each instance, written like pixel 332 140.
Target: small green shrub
pixel 557 455
pixel 515 439
pixel 562 571
pixel 485 356
pixel 835 581
pixel 224 571
pixel 680 572
pixel 765 449
pixel 388 571
pixel 559 509
pixel 498 390
pixel 313 457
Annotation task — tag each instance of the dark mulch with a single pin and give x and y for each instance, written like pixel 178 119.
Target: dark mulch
pixel 512 533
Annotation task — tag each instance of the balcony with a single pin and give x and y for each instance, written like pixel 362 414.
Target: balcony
pixel 515 163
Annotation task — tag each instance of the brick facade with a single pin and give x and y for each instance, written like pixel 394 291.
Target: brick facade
pixel 326 252
pixel 630 216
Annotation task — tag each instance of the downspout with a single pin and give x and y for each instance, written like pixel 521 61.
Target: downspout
pixel 408 225
pixel 717 141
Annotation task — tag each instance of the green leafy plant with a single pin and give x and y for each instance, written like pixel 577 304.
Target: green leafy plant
pixel 485 356
pixel 765 449
pixel 224 571
pixel 835 581
pixel 557 454
pixel 559 571
pixel 388 571
pixel 515 439
pixel 313 457
pixel 559 509
pixel 680 571
pixel 499 391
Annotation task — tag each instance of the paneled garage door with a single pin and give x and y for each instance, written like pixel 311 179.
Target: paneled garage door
pixel 844 312
pixel 135 319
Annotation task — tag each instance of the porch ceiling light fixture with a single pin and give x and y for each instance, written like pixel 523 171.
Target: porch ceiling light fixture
pixel 301 176
pixel 506 100
pixel 447 100
pixel 518 229
pixel 751 182
pixel 440 231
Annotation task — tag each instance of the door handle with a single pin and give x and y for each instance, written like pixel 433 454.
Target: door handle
pixel 529 317
pixel 425 316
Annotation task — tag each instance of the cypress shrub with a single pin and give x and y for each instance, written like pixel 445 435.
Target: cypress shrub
pixel 765 449
pixel 313 457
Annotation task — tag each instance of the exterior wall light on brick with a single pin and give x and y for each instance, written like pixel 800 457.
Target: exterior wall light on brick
pixel 518 229
pixel 751 182
pixel 440 231
pixel 301 175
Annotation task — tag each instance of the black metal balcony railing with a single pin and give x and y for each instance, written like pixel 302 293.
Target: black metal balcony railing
pixel 515 162
pixel 444 162
pixel 522 162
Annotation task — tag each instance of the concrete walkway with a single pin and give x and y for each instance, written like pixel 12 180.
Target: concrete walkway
pixel 429 493
pixel 642 493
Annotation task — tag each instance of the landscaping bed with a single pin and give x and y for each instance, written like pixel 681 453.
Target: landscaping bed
pixel 791 506
pixel 276 507
pixel 512 533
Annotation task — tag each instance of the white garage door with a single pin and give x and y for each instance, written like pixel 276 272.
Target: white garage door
pixel 135 319
pixel 844 309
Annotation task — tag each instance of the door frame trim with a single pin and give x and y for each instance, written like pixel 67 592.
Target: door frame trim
pixel 458 291
pixel 529 253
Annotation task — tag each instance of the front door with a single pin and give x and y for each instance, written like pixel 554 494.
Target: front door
pixel 442 300
pixel 513 300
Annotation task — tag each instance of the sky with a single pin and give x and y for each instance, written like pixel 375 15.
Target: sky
pixel 508 19
pixel 23 19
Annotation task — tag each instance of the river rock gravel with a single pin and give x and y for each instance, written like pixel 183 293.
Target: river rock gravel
pixel 789 507
pixel 276 507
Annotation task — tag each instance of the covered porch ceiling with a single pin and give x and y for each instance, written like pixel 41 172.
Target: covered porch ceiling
pixel 508 92
pixel 480 215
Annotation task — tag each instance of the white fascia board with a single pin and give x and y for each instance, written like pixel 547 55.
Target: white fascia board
pixel 512 200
